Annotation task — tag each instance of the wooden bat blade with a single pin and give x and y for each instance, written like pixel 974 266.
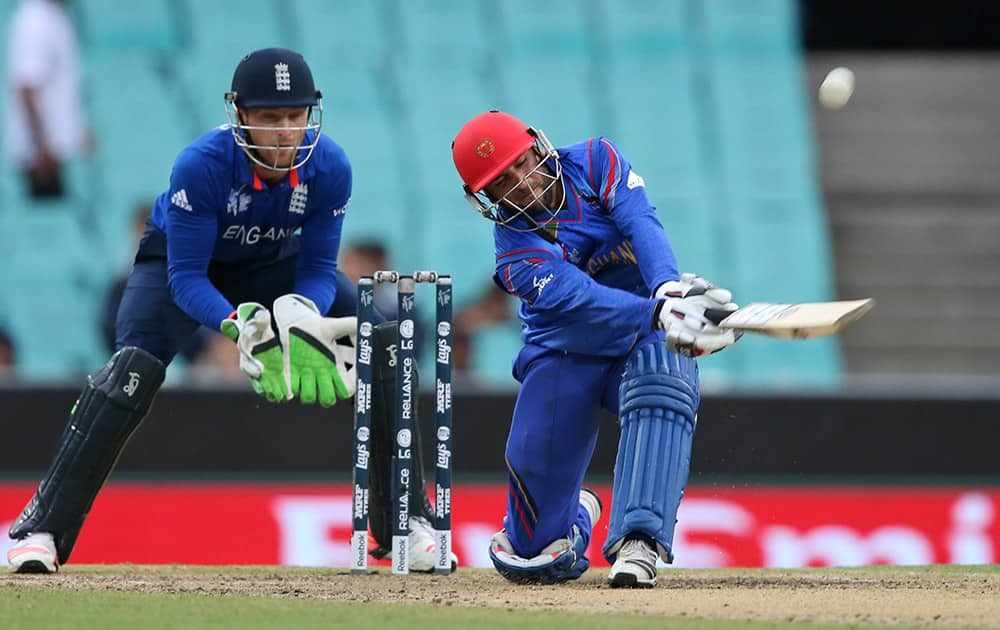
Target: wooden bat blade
pixel 797 321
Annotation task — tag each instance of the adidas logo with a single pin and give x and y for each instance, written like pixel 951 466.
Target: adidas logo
pixel 180 199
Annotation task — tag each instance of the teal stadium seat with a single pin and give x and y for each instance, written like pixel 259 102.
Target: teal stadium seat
pixel 453 30
pixel 660 122
pixel 125 26
pixel 704 98
pixel 748 25
pixel 694 233
pixel 342 33
pixel 776 227
pixel 52 294
pixel 139 132
pixel 448 234
pixel 548 75
pixel 493 351
pixel 347 45
pixel 354 117
pixel 219 33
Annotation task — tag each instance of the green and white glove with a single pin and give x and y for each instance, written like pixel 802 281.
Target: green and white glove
pixel 319 351
pixel 260 355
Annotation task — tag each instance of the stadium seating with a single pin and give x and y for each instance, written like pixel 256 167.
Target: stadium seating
pixel 704 98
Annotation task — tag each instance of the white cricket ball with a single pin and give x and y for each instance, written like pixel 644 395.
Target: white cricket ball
pixel 837 88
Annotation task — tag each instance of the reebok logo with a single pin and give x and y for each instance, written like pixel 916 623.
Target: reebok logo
pixel 180 199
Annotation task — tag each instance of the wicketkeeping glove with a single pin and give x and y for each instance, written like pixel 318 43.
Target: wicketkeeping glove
pixel 682 315
pixel 319 351
pixel 260 355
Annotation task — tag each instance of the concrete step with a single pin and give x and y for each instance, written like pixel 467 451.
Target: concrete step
pixel 950 362
pixel 940 333
pixel 916 122
pixel 940 301
pixel 872 272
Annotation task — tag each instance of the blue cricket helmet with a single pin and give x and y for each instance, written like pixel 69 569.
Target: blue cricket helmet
pixel 274 77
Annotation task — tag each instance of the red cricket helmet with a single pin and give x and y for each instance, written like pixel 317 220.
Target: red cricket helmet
pixel 486 146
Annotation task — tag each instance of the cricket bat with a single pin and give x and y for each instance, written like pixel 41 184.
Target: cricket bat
pixel 793 321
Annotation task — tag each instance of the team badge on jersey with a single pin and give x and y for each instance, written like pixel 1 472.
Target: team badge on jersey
pixel 239 202
pixel 300 194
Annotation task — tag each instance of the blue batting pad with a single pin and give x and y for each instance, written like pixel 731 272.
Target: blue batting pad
pixel 659 401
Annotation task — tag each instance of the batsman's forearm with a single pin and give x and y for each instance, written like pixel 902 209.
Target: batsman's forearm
pixel 653 252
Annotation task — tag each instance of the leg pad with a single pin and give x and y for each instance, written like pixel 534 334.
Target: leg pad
pixel 659 401
pixel 110 408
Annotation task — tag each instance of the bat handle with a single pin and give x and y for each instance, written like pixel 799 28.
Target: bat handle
pixel 716 315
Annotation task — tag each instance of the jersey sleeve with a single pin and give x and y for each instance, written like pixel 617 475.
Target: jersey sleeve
pixel 622 193
pixel 560 289
pixel 536 271
pixel 191 226
pixel 315 274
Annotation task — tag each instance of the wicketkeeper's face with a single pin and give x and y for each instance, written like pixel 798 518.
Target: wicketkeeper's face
pixel 277 133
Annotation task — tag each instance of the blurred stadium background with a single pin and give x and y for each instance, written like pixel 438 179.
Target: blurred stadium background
pixel 713 102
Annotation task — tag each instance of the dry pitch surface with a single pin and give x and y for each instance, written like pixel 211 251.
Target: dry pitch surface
pixel 918 596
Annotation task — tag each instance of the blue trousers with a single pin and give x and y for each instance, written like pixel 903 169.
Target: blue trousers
pixel 552 438
pixel 149 319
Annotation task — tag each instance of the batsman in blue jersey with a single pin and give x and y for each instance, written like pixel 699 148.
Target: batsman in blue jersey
pixel 607 322
pixel 245 242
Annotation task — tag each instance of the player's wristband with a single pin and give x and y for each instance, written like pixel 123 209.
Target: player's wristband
pixel 656 314
pixel 229 328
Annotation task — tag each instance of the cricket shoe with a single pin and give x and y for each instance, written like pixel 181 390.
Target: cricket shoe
pixel 635 566
pixel 35 553
pixel 423 548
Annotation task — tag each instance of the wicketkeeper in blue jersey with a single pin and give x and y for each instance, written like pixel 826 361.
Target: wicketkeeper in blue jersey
pixel 607 322
pixel 244 241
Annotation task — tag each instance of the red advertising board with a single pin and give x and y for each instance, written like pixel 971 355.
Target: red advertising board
pixel 310 524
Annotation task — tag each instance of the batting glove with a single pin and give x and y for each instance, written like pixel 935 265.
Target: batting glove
pixel 319 351
pixel 681 313
pixel 260 355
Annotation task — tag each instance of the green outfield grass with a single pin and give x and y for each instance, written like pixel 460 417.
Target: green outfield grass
pixel 28 608
pixel 130 596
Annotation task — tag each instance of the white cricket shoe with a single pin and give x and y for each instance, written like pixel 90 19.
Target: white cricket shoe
pixel 35 553
pixel 423 548
pixel 635 566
